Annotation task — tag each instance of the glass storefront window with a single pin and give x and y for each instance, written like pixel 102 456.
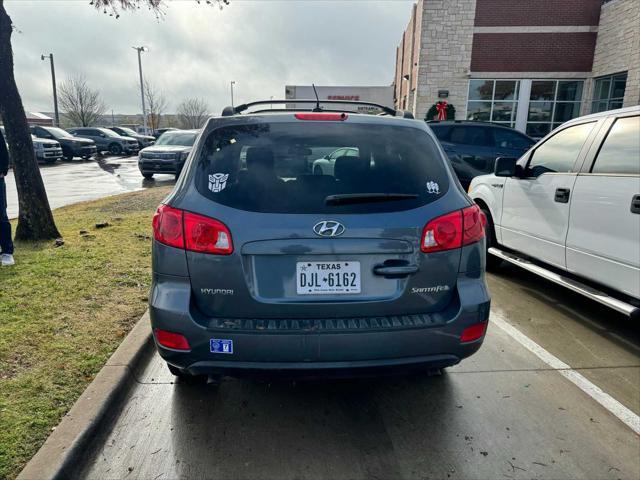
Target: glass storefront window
pixel 543 90
pixel 569 91
pixel 481 90
pixel 493 101
pixel 608 92
pixel 506 90
pixel 551 103
pixel 566 111
pixel 504 112
pixel 540 111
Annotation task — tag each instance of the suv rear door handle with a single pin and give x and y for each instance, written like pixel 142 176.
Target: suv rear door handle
pixel 635 204
pixel 562 195
pixel 396 271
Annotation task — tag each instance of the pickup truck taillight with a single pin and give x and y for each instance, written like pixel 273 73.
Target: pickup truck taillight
pixel 453 230
pixel 190 231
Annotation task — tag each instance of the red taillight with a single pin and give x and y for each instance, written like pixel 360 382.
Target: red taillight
pixel 442 233
pixel 206 235
pixel 172 340
pixel 474 332
pixel 453 230
pixel 167 226
pixel 322 117
pixel 473 221
pixel 190 231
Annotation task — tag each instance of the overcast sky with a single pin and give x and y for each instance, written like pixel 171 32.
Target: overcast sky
pixel 195 50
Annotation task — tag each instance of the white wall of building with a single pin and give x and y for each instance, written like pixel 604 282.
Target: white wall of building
pixel 617 49
pixel 445 54
pixel 379 95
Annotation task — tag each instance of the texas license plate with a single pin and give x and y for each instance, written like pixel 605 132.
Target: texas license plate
pixel 327 278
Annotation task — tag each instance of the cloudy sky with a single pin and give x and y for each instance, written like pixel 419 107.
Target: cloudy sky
pixel 195 50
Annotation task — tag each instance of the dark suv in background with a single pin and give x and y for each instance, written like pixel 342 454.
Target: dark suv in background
pixel 71 146
pixel 143 140
pixel 107 140
pixel 168 154
pixel 472 147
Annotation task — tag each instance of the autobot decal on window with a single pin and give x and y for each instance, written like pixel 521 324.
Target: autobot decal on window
pixel 218 181
pixel 433 187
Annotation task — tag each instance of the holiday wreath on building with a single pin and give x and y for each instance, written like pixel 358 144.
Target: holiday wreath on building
pixel 441 110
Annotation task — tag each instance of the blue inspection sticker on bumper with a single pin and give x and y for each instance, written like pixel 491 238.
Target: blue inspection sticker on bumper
pixel 218 345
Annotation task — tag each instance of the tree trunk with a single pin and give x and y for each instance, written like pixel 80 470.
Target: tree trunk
pixel 35 220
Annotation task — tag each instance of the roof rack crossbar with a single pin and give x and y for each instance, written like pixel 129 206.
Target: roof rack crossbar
pixel 246 106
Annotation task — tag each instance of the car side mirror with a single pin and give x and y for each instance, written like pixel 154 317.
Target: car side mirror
pixel 505 167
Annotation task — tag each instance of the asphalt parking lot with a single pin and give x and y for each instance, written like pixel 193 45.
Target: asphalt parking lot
pixel 547 397
pixel 80 180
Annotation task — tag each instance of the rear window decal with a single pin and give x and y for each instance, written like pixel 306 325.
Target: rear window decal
pixel 218 181
pixel 433 187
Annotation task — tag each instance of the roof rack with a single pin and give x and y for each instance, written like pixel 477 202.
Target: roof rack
pixel 229 111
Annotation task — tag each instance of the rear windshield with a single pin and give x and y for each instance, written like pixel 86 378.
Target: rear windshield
pixel 440 131
pixel 183 139
pixel 58 132
pixel 320 167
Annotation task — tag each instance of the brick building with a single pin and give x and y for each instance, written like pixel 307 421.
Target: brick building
pixel 528 64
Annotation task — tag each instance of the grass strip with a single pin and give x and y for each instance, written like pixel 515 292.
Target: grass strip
pixel 64 310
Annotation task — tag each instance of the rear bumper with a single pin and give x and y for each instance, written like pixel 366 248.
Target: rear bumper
pixel 310 370
pixel 314 353
pixel 49 154
pixel 77 151
pixel 159 166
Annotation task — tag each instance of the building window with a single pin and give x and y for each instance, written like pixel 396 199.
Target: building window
pixel 551 103
pixel 608 92
pixel 493 101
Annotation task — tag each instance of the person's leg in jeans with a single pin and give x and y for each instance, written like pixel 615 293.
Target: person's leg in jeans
pixel 6 244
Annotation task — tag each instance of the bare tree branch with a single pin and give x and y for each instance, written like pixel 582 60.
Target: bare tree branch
pixel 82 105
pixel 193 112
pixel 113 7
pixel 156 104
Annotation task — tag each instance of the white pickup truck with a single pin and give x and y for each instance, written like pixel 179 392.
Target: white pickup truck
pixel 569 208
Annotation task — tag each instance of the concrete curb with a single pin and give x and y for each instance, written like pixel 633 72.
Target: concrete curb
pixel 72 437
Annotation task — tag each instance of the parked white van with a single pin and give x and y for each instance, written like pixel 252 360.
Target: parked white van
pixel 569 208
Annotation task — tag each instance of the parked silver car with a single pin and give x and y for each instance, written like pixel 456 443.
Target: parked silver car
pixel 47 151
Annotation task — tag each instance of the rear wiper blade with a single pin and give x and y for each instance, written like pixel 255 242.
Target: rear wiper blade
pixel 350 198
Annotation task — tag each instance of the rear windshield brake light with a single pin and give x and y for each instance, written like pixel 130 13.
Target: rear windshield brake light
pixel 326 117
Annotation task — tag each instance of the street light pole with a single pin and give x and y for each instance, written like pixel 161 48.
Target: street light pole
pixel 55 90
pixel 232 84
pixel 144 108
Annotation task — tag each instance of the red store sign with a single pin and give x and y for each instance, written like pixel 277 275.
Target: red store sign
pixel 344 97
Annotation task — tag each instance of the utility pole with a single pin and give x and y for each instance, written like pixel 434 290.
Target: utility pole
pixel 233 82
pixel 144 108
pixel 55 90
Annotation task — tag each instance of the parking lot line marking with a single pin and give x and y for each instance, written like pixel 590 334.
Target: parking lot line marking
pixel 607 401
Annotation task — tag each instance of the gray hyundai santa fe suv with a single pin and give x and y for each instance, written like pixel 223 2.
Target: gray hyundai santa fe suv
pixel 262 266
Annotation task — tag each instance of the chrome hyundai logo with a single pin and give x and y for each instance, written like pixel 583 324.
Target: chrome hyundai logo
pixel 328 228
